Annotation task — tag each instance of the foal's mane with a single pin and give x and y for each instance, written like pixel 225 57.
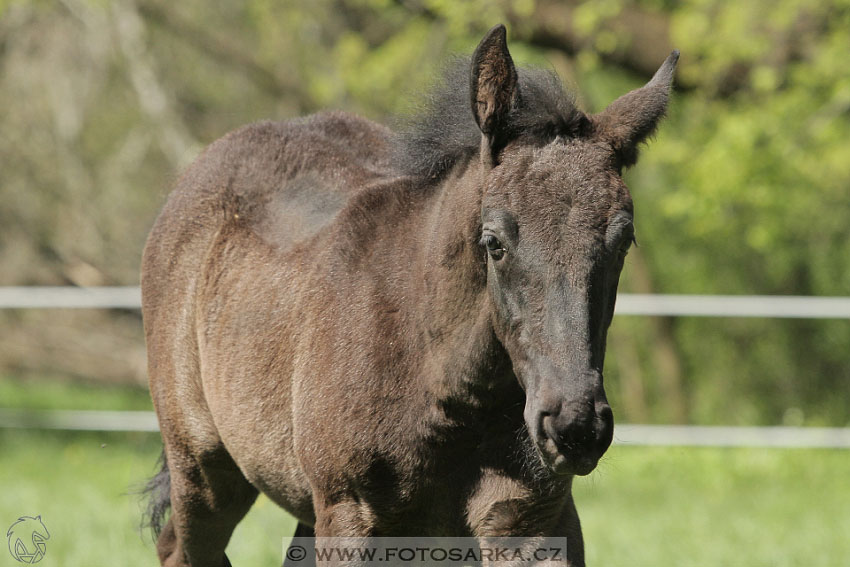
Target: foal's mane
pixel 443 132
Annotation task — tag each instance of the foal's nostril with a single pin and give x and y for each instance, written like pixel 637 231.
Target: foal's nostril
pixel 604 427
pixel 604 413
pixel 549 428
pixel 569 431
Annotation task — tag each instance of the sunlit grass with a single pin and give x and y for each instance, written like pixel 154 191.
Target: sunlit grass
pixel 706 506
pixel 66 394
pixel 642 506
pixel 83 486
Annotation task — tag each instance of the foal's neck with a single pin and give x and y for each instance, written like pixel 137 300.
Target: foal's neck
pixel 463 357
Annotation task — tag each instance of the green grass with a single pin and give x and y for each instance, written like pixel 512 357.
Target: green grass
pixel 65 394
pixel 707 506
pixel 642 506
pixel 82 485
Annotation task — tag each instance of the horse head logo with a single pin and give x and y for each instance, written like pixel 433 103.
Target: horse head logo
pixel 27 539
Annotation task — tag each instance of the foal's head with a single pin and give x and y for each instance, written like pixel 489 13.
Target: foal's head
pixel 556 224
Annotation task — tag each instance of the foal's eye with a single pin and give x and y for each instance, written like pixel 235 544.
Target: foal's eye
pixel 627 243
pixel 494 247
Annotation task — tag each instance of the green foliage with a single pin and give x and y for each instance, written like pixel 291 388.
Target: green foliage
pixel 743 191
pixel 755 190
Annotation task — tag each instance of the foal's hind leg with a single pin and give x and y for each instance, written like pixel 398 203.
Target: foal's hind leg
pixel 209 496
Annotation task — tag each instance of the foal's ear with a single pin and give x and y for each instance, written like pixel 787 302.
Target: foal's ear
pixel 493 88
pixel 630 119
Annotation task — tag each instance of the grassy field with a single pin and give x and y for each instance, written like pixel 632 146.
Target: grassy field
pixel 642 506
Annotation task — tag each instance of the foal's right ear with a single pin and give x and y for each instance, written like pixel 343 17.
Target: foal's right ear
pixel 493 88
pixel 632 118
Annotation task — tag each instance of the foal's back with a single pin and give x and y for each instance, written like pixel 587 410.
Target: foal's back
pixel 285 179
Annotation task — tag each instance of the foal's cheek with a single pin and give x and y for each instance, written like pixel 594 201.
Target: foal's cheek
pixel 499 297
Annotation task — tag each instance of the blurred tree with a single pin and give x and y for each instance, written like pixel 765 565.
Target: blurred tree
pixel 745 189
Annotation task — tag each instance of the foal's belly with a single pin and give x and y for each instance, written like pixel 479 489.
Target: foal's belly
pixel 262 447
pixel 282 482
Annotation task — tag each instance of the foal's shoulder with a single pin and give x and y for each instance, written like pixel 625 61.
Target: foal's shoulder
pixel 287 180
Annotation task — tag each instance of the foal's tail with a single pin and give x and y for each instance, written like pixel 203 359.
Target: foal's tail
pixel 158 492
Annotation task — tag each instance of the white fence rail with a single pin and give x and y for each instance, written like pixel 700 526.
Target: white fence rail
pixel 79 420
pixel 129 297
pixel 624 434
pixel 787 306
pixel 58 297
pixel 726 436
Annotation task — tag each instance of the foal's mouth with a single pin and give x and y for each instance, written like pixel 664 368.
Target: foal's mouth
pixel 579 462
pixel 576 455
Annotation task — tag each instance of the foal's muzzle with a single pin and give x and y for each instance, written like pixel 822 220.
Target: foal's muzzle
pixel 572 430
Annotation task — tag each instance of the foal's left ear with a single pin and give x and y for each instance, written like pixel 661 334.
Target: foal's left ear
pixel 493 89
pixel 630 119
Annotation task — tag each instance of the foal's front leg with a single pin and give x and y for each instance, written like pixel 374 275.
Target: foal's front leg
pixel 502 506
pixel 569 526
pixel 346 518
